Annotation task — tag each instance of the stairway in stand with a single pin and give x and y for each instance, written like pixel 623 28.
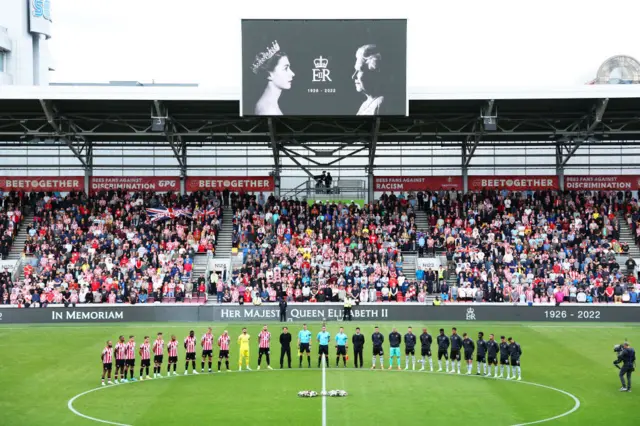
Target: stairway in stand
pixel 626 236
pixel 421 220
pixel 223 245
pixel 17 248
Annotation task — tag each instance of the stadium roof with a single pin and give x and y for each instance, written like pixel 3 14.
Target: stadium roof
pixel 566 117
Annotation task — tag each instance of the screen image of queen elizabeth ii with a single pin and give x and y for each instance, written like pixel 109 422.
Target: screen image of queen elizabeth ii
pixel 274 67
pixel 369 79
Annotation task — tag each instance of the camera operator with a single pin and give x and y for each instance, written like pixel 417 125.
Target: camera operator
pixel 626 356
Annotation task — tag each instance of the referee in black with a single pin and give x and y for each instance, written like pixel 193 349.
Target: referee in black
pixel 285 346
pixel 283 309
pixel 357 340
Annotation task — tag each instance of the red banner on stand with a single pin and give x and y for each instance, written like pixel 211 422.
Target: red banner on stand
pixel 602 183
pixel 513 183
pixel 135 183
pixel 42 183
pixel 417 183
pixel 232 183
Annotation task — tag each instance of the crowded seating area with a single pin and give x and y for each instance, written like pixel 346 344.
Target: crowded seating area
pixel 107 248
pixel 11 206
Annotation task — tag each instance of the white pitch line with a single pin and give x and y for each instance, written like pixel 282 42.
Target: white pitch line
pixel 575 407
pixel 324 391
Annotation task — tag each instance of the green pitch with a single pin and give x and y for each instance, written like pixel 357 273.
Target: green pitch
pixel 43 367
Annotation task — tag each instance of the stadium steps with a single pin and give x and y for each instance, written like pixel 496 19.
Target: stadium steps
pixel 626 236
pixel 409 266
pixel 223 244
pixel 199 266
pixel 18 244
pixel 421 220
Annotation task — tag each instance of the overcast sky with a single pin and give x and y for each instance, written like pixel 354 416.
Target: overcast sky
pixel 450 43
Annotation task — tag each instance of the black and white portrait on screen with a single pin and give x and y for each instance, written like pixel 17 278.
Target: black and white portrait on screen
pixel 273 66
pixel 330 68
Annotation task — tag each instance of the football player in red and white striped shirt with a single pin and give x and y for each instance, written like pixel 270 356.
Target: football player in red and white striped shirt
pixel 223 344
pixel 145 357
pixel 130 363
pixel 107 360
pixel 158 353
pixel 121 355
pixel 190 347
pixel 172 348
pixel 264 345
pixel 207 348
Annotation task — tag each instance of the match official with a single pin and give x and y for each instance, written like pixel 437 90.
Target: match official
pixel 285 347
pixel 304 344
pixel 357 340
pixel 341 347
pixel 323 345
pixel 628 357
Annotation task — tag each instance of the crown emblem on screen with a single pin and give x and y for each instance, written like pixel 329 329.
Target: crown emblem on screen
pixel 320 62
pixel 263 57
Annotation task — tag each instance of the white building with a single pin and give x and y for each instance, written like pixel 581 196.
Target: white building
pixel 25 27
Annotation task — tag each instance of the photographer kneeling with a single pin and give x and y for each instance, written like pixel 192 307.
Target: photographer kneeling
pixel 626 356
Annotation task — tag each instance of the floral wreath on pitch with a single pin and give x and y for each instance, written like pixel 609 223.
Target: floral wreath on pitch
pixel 332 393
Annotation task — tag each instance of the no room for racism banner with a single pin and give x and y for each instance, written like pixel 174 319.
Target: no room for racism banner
pixel 513 183
pixel 417 183
pixel 135 183
pixel 42 183
pixel 232 183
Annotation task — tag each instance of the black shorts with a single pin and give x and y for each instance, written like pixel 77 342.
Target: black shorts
pixel 223 354
pixel 515 363
pixel 504 360
pixel 442 353
pixel 106 366
pixel 263 351
pixel 409 351
pixel 455 355
pixel 207 353
pixel 493 360
pixel 173 359
pixel 377 350
pixel 481 358
pixel 426 352
pixel 145 363
pixel 304 347
pixel 157 359
pixel 120 363
pixel 323 350
pixel 130 363
pixel 191 356
pixel 341 350
pixel 468 356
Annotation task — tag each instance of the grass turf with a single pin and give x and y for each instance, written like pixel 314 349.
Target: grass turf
pixel 42 367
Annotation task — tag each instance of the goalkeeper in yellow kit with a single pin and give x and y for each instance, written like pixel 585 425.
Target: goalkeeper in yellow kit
pixel 243 341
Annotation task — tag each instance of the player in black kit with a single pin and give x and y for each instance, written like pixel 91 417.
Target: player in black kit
pixel 492 354
pixel 515 351
pixel 456 346
pixel 410 348
pixel 443 346
pixel 425 342
pixel 481 355
pixel 469 347
pixel 504 357
pixel 377 339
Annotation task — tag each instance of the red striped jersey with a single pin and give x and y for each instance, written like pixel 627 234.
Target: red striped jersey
pixel 172 347
pixel 145 353
pixel 190 344
pixel 158 347
pixel 121 350
pixel 265 339
pixel 223 342
pixel 107 355
pixel 207 342
pixel 131 350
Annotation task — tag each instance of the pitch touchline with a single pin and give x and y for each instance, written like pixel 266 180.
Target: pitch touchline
pixel 575 407
pixel 324 391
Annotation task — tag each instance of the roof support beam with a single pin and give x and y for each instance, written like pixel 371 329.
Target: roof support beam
pixel 374 143
pixel 161 112
pixel 49 112
pixel 598 113
pixel 295 160
pixel 274 143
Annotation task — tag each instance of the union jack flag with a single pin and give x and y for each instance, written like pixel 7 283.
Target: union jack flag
pixel 164 213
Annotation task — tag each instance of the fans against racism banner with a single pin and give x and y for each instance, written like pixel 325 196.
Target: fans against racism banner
pixel 42 183
pixel 232 183
pixel 417 183
pixel 135 183
pixel 513 183
pixel 604 183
